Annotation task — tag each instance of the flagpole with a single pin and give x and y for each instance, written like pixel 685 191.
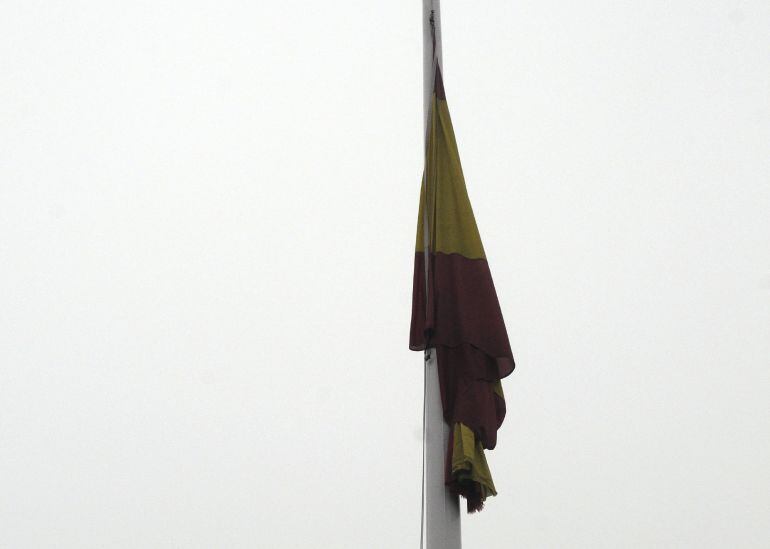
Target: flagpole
pixel 442 509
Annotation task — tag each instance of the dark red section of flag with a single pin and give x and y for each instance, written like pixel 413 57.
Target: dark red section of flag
pixel 466 327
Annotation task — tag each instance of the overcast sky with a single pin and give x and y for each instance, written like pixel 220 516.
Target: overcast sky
pixel 207 219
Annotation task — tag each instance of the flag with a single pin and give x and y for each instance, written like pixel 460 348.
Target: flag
pixel 455 310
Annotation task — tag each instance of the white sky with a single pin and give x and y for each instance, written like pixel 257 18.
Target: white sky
pixel 207 217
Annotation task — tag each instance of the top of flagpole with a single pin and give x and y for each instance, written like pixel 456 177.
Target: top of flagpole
pixel 431 10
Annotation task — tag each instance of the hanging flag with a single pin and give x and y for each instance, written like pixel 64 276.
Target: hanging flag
pixel 456 312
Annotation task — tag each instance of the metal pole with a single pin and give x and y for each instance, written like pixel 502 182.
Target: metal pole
pixel 442 509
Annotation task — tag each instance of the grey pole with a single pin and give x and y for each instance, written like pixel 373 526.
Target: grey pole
pixel 442 509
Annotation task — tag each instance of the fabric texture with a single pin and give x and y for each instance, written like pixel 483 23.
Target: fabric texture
pixel 456 311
